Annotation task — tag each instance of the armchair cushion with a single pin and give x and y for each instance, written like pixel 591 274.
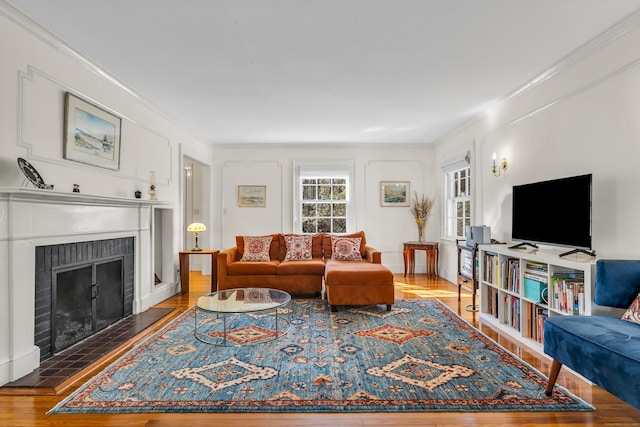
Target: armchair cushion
pixel 617 282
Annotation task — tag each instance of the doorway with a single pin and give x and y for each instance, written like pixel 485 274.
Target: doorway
pixel 195 209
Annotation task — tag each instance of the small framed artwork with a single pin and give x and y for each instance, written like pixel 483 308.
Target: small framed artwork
pixel 252 196
pixel 91 134
pixel 394 193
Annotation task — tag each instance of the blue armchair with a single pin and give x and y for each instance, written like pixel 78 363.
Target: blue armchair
pixel 605 350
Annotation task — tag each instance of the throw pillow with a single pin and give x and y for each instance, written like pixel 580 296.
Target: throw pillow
pixel 298 248
pixel 256 248
pixel 633 313
pixel 346 248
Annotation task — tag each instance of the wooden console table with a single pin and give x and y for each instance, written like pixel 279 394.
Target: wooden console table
pixel 184 268
pixel 409 254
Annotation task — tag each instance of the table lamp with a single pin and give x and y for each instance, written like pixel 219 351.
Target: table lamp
pixel 196 228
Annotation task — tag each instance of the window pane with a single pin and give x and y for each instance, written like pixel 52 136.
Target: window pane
pixel 459 228
pixel 467 209
pixel 324 225
pixel 339 225
pixel 309 226
pixel 323 206
pixel 459 209
pixel 324 209
pixel 324 192
pixel 463 187
pixel 309 192
pixel 340 209
pixel 308 210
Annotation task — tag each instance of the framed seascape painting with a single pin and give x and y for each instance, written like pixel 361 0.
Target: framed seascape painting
pixel 394 193
pixel 252 196
pixel 91 134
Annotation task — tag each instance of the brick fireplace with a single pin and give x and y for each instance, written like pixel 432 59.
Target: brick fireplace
pixel 32 223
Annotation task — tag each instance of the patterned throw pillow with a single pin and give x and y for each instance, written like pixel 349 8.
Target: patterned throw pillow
pixel 633 313
pixel 256 248
pixel 298 248
pixel 346 248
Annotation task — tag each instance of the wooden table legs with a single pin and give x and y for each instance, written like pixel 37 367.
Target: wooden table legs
pixel 431 257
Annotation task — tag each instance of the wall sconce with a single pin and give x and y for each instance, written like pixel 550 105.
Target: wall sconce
pixel 503 165
pixel 196 228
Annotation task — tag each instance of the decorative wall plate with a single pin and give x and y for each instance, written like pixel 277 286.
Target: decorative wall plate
pixel 31 173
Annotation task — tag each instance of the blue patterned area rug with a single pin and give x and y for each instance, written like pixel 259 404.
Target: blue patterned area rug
pixel 421 356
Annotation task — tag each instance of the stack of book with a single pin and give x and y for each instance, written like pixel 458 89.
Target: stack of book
pixel 511 274
pixel 568 293
pixel 491 268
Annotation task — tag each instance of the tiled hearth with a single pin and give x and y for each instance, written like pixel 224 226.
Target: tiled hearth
pixel 54 372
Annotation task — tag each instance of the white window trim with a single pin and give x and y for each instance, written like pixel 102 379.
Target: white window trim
pixel 324 169
pixel 456 163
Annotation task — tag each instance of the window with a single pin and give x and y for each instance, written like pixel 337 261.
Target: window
pixel 324 205
pixel 322 197
pixel 458 206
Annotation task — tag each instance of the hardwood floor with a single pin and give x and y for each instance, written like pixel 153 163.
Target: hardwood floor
pixel 610 411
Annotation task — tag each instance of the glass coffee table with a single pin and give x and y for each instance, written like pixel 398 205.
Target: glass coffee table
pixel 242 316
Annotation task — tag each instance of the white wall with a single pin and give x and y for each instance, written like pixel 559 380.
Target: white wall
pixel 583 119
pixel 36 70
pixel 273 165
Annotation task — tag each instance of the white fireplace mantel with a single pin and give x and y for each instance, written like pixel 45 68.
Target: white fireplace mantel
pixel 30 218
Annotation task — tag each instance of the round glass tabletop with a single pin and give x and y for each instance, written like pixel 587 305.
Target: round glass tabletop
pixel 243 300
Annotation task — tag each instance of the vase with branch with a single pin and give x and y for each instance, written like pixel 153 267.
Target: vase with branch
pixel 421 209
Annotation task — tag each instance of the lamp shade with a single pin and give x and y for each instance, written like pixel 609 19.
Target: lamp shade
pixel 196 227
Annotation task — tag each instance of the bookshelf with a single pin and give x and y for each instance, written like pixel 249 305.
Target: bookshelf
pixel 519 289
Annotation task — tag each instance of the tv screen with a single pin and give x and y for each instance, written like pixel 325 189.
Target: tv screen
pixel 556 212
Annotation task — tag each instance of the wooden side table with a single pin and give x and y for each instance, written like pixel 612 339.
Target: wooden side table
pixel 184 268
pixel 409 254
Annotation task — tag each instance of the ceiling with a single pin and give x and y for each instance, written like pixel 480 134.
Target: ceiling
pixel 325 71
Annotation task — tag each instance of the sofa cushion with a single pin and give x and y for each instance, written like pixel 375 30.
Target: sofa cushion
pixel 316 245
pixel 312 267
pixel 633 312
pixel 274 249
pixel 256 248
pixel 346 273
pixel 298 247
pixel 346 248
pixel 326 243
pixel 243 268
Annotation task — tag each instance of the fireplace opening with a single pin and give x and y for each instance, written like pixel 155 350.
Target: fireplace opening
pixel 88 298
pixel 81 288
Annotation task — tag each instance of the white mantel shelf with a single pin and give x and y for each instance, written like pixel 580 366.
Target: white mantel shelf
pixel 49 196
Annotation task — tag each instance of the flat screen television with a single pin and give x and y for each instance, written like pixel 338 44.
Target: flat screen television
pixel 555 212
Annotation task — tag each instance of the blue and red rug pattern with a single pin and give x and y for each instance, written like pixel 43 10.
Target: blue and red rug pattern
pixel 421 356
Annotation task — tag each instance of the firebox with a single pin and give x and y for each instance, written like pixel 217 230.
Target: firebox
pixel 81 288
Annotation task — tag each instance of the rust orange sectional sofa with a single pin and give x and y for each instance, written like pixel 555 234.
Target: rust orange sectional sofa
pixel 362 282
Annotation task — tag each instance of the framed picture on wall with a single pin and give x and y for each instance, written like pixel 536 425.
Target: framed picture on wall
pixel 252 196
pixel 394 193
pixel 91 134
